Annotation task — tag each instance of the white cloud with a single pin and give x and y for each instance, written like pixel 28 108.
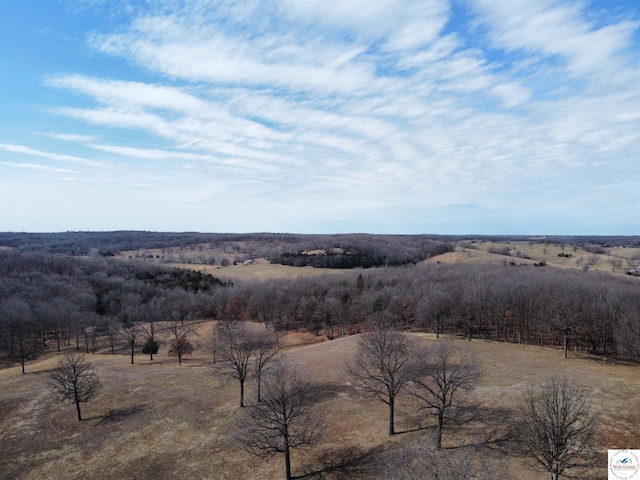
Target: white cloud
pixel 71 137
pixel 348 108
pixel 557 28
pixel 21 149
pixel 149 153
pixel 130 94
pixel 215 57
pixel 511 93
pixel 37 166
pixel 399 24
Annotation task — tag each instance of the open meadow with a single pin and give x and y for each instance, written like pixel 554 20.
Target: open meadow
pixel 156 419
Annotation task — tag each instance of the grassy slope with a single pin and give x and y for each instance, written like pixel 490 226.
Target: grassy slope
pixel 538 252
pixel 155 419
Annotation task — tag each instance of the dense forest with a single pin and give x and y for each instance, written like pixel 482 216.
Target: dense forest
pixel 47 300
pixel 53 298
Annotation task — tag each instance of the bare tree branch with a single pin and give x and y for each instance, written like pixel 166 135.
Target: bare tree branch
pixel 237 349
pixel 284 420
pixel 556 428
pixel 381 365
pixel 440 374
pixel 75 379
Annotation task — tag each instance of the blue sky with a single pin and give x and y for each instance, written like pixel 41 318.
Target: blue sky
pixel 321 116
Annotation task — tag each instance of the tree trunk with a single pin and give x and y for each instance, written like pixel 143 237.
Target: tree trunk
pixel 242 393
pixel 439 432
pixel 132 353
pixel 78 407
pixel 287 459
pixel 258 384
pixel 566 346
pixel 57 336
pixel 391 415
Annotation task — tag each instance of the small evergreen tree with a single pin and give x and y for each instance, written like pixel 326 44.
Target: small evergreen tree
pixel 150 347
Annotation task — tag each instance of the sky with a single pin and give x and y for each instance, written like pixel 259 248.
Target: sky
pixel 321 116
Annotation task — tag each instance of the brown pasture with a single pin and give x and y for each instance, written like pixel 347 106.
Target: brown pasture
pixel 157 420
pixel 261 270
pixel 540 252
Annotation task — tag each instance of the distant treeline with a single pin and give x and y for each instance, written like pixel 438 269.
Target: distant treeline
pixel 267 244
pixel 103 243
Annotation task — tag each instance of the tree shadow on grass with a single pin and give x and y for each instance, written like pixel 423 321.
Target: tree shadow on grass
pixel 490 426
pixel 343 463
pixel 116 415
pixel 329 390
pixel 493 426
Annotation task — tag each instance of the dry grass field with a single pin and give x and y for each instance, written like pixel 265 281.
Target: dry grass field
pixel 528 253
pixel 614 260
pixel 157 420
pixel 259 269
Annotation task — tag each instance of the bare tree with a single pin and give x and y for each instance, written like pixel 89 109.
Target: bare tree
pixel 22 342
pixel 266 352
pixel 556 428
pixel 180 346
pixel 110 328
pixel 381 365
pixel 284 420
pixel 563 311
pixel 26 344
pixel 236 350
pixel 150 332
pixel 129 332
pixel 441 374
pixel 434 306
pixel 75 379
pixel 212 342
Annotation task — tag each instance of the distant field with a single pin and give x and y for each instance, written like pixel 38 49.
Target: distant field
pixel 614 260
pixel 259 268
pixel 158 420
pixel 521 253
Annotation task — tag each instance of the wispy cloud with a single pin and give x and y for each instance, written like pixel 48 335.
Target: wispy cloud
pixel 560 29
pixel 71 137
pixel 37 166
pixel 355 106
pixel 51 156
